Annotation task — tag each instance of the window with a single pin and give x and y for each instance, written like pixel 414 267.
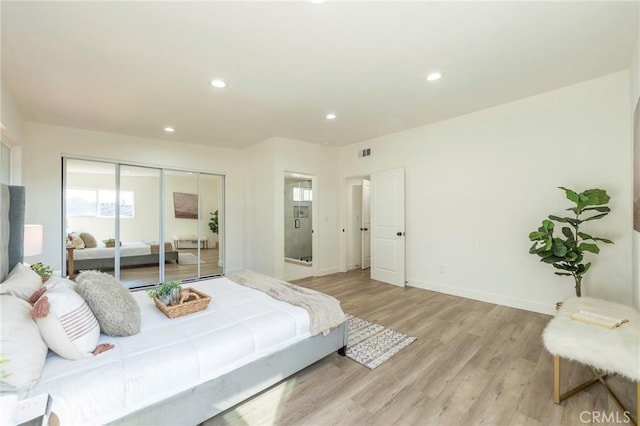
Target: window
pixel 107 203
pixel 98 203
pixel 301 194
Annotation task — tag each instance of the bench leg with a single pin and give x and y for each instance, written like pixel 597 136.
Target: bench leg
pixel 559 397
pixel 556 379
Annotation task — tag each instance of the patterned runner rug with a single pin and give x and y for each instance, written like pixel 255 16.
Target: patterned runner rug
pixel 372 344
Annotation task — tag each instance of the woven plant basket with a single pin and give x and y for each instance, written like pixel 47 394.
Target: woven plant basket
pixel 185 308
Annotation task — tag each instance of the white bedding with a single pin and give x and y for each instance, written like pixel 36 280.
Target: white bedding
pixel 101 252
pixel 169 356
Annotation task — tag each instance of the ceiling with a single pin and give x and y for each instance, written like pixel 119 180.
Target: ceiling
pixel 135 67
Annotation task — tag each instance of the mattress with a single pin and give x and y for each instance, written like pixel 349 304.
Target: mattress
pixel 102 252
pixel 170 356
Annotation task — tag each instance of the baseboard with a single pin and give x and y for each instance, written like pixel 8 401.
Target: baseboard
pixel 328 271
pixel 498 299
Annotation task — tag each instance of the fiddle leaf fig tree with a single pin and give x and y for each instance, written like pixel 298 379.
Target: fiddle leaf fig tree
pixel 566 252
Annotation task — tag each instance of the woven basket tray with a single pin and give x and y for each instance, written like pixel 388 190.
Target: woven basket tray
pixel 185 308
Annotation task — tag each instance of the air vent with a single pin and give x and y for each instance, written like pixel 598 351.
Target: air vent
pixel 364 152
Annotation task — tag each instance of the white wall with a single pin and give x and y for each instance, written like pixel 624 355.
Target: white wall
pixel 634 91
pixel 45 144
pixel 12 132
pixel 268 161
pixel 476 185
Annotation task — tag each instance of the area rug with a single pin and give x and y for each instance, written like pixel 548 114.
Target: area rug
pixel 188 259
pixel 372 344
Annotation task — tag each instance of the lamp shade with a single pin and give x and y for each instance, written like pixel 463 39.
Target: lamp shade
pixel 32 240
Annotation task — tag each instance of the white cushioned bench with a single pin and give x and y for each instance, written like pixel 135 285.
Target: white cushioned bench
pixel 606 351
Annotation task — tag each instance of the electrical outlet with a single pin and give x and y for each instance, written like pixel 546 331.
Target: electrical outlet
pixel 442 269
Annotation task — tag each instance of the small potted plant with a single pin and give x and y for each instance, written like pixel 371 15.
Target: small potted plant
pixel 213 224
pixel 109 242
pixel 164 291
pixel 43 270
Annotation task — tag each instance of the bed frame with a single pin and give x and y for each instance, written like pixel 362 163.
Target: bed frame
pixel 108 263
pixel 215 396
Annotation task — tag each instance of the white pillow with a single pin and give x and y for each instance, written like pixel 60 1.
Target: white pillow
pixel 70 329
pixel 21 344
pixel 76 241
pixel 22 282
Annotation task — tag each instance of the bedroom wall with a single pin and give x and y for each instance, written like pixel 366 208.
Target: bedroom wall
pixel 476 185
pixel 634 91
pixel 12 132
pixel 267 162
pixel 45 144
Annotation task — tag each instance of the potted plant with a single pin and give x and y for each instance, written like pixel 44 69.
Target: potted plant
pixel 566 252
pixel 43 270
pixel 213 224
pixel 163 291
pixel 110 242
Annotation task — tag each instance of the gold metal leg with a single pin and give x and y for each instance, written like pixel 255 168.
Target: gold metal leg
pixel 556 379
pixel 558 397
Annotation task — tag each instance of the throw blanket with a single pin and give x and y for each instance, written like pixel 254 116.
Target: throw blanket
pixel 324 310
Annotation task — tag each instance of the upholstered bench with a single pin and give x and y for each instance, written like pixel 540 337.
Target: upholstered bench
pixel 605 351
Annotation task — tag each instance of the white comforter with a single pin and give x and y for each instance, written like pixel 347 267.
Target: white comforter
pixel 102 252
pixel 169 356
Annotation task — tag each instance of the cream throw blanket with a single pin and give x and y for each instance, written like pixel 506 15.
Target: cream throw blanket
pixel 324 310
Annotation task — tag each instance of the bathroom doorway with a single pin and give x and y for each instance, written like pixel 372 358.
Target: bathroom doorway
pixel 298 219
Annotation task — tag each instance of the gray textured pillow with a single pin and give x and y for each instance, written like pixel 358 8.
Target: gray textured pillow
pixel 89 240
pixel 113 306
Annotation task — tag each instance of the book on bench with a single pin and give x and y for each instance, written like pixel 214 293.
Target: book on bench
pixel 598 319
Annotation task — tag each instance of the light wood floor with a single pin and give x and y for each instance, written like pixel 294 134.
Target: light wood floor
pixel 473 363
pixel 143 275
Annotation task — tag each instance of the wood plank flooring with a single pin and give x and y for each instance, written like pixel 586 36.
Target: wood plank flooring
pixel 144 275
pixel 474 363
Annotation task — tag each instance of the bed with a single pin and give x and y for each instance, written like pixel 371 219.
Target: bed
pixel 186 370
pixel 132 254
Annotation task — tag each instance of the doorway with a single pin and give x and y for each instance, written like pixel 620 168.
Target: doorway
pixel 358 223
pixel 375 225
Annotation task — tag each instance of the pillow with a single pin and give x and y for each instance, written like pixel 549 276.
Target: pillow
pixel 76 241
pixel 70 329
pixel 114 307
pixel 21 345
pixel 22 282
pixel 88 240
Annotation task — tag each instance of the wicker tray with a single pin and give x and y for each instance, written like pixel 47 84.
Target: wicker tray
pixel 185 308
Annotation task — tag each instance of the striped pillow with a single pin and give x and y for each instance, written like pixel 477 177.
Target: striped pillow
pixel 70 329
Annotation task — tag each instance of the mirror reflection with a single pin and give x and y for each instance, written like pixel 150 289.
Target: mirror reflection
pixel 140 226
pixel 298 199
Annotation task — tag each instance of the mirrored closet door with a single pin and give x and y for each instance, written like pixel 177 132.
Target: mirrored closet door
pixel 141 224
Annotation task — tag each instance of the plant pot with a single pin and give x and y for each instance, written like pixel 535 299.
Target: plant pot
pixel 165 299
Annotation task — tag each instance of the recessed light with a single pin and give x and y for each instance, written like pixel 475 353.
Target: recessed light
pixel 169 129
pixel 434 76
pixel 331 116
pixel 218 84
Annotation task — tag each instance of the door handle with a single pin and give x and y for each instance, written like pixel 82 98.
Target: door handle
pixel 399 234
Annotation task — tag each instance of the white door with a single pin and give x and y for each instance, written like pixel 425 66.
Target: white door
pixel 387 227
pixel 366 224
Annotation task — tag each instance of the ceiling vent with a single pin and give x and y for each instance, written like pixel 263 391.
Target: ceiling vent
pixel 364 152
